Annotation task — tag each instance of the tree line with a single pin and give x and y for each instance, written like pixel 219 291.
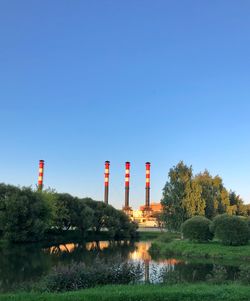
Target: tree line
pixel 26 215
pixel 186 195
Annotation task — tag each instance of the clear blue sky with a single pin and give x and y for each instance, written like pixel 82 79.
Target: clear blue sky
pixel 82 82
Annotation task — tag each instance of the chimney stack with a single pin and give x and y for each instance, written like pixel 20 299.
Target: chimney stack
pixel 147 199
pixel 127 179
pixel 41 172
pixel 106 182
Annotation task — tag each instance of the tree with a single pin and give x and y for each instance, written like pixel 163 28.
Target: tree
pixel 236 204
pixel 5 192
pixel 64 209
pixel 82 215
pixel 26 215
pixel 124 228
pixel 214 193
pixel 174 195
pixel 159 216
pixel 99 214
pixel 193 202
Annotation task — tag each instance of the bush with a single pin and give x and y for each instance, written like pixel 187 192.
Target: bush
pixel 248 224
pixel 197 229
pixel 245 274
pixel 77 276
pixel 217 221
pixel 232 230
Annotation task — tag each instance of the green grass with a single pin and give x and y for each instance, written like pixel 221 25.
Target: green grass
pixel 148 235
pixel 189 249
pixel 197 292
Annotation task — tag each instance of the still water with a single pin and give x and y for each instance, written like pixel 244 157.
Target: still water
pixel 21 264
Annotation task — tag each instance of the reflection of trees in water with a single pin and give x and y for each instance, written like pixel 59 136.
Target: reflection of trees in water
pixel 196 272
pixel 25 263
pixel 87 252
pixel 21 263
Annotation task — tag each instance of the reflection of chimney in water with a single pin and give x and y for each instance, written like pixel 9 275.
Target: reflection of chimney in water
pixel 40 176
pixel 146 271
pixel 147 199
pixel 106 182
pixel 127 179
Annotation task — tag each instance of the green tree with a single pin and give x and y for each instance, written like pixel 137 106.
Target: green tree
pixel 64 209
pixel 193 201
pixel 236 204
pixel 123 228
pixel 26 215
pixel 5 192
pixel 99 214
pixel 174 195
pixel 214 194
pixel 82 215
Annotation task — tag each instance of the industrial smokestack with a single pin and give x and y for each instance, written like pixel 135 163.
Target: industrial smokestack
pixel 106 182
pixel 41 172
pixel 127 178
pixel 147 199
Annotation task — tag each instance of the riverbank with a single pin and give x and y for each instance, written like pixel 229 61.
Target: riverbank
pixel 75 236
pixel 213 250
pixel 190 292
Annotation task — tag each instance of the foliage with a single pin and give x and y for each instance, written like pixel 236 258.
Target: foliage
pixel 194 203
pixel 26 215
pixel 174 194
pixel 197 229
pixel 168 236
pixel 82 215
pixel 232 231
pixel 64 208
pixel 115 221
pixel 186 195
pixel 159 216
pixel 77 276
pixel 237 206
pixel 214 194
pixel 217 221
pixel 245 274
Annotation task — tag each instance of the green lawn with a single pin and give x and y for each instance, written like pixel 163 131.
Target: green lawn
pixel 201 292
pixel 200 250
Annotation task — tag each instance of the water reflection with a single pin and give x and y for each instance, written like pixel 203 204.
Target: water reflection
pixel 24 263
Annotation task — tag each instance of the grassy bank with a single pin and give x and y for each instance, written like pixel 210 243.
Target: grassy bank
pixel 200 250
pixel 201 292
pixel 148 235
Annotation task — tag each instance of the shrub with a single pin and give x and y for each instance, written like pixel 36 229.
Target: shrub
pixel 77 276
pixel 218 220
pixel 197 229
pixel 245 274
pixel 248 224
pixel 232 230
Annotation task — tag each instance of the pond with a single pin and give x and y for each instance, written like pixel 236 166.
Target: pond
pixel 25 263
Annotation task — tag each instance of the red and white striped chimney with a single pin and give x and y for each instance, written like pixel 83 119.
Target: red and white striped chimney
pixel 40 176
pixel 147 199
pixel 127 180
pixel 106 182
